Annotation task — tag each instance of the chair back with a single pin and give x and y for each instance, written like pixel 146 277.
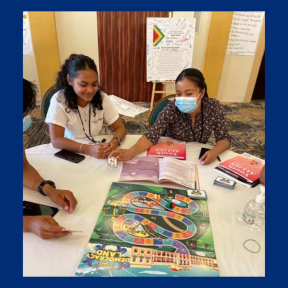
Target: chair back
pixel 45 103
pixel 160 105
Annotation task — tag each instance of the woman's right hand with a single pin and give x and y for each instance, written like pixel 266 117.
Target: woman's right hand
pixel 97 150
pixel 122 154
pixel 44 226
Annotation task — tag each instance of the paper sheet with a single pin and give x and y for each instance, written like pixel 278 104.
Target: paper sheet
pixel 127 108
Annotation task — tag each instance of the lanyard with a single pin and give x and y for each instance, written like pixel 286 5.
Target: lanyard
pixel 89 137
pixel 192 127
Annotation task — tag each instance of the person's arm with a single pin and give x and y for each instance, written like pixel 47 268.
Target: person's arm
pixel 59 141
pixel 125 154
pixel 32 179
pixel 223 139
pixel 211 155
pixel 120 132
pixel 44 226
pixel 151 137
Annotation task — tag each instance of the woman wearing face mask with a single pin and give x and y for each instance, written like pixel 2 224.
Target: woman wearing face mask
pixel 191 117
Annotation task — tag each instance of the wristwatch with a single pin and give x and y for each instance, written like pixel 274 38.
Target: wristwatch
pixel 41 185
pixel 118 140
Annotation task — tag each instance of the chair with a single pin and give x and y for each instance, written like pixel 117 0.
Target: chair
pixel 159 107
pixel 45 103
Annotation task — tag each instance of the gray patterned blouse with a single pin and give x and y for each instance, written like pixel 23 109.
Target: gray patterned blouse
pixel 177 125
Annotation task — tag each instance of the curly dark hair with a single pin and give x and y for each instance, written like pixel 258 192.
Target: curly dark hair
pixel 75 63
pixel 195 76
pixel 29 96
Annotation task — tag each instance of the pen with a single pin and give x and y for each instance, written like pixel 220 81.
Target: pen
pixel 219 158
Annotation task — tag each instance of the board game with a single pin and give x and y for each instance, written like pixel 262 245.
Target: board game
pixel 145 231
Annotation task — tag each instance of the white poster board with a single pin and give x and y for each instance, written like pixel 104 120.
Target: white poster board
pixel 170 43
pixel 27 43
pixel 244 33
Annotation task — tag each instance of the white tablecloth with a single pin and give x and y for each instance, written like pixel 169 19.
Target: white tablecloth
pixel 90 181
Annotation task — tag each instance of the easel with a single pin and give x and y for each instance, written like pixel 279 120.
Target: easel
pixel 160 92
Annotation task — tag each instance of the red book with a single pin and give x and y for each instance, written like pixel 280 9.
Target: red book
pixel 168 148
pixel 245 166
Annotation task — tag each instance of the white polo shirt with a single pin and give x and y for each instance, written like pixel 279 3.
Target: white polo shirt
pixel 71 120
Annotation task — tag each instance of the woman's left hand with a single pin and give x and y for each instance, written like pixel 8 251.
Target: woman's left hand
pixel 208 157
pixel 113 145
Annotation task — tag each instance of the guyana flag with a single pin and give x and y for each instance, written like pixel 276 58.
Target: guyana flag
pixel 157 35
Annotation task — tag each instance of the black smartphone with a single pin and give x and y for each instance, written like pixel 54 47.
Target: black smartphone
pixel 204 150
pixel 70 156
pixel 35 209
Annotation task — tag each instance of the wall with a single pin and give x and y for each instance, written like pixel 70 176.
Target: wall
pixel 30 72
pixel 45 45
pixel 77 33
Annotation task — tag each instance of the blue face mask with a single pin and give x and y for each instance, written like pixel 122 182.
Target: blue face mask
pixel 187 104
pixel 26 122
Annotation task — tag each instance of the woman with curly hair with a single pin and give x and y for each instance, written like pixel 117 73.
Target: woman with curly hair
pixel 78 109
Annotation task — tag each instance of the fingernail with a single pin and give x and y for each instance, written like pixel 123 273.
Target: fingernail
pixel 66 208
pixel 69 234
pixel 63 229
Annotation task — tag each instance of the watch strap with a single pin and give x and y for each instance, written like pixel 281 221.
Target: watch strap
pixel 41 185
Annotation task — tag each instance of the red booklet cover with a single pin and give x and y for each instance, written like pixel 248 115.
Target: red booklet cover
pixel 168 148
pixel 245 165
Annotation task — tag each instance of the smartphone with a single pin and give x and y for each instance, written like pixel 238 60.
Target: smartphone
pixel 204 150
pixel 70 156
pixel 35 209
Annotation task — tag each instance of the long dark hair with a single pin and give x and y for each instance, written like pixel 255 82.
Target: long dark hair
pixel 195 76
pixel 29 96
pixel 71 66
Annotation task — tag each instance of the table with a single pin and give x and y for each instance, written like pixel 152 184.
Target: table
pixel 90 181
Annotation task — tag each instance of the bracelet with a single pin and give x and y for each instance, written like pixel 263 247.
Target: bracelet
pixel 41 185
pixel 80 148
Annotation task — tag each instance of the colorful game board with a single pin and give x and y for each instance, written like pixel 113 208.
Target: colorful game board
pixel 140 233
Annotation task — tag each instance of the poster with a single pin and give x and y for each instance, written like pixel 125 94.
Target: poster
pixel 27 42
pixel 244 33
pixel 170 43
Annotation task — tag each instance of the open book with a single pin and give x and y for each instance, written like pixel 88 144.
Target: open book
pixel 160 170
pixel 168 147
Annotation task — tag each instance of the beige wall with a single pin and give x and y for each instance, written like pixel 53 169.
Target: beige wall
pixel 30 71
pixel 77 33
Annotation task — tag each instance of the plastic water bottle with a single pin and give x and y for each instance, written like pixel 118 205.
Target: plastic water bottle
pixel 254 212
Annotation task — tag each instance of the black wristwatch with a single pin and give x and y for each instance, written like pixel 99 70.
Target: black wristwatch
pixel 118 140
pixel 40 187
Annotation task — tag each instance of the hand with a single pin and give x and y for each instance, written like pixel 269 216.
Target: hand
pixel 208 157
pixel 64 198
pixel 97 150
pixel 44 226
pixel 122 154
pixel 112 146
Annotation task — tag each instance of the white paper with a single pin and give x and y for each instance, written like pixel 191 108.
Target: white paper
pixel 27 42
pixel 244 33
pixel 177 171
pixel 173 52
pixel 127 108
